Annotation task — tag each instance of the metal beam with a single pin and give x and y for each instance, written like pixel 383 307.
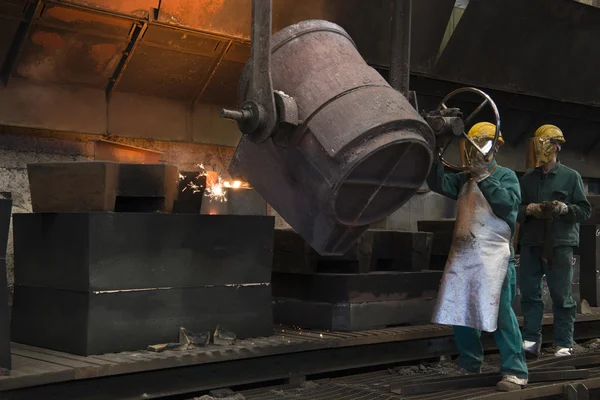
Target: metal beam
pixel 80 31
pixel 136 35
pixel 225 46
pixel 270 365
pixel 400 45
pixel 176 381
pixel 97 11
pixel 32 11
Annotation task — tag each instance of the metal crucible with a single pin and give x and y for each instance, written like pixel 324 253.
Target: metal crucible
pixel 359 150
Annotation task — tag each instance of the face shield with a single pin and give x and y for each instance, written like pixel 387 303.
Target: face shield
pixel 468 152
pixel 541 151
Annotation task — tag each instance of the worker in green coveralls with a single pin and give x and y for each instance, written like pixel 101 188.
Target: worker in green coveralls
pixel 479 282
pixel 553 206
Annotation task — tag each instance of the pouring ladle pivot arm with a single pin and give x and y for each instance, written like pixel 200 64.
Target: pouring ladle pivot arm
pixel 257 116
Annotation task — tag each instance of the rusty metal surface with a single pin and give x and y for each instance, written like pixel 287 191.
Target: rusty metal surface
pixel 53 57
pixel 74 19
pixel 136 34
pixel 82 42
pixel 93 33
pixel 166 73
pixel 170 64
pixel 70 46
pixel 223 49
pixel 360 153
pixel 400 45
pixel 8 29
pixel 105 150
pixel 232 18
pixel 552 53
pixel 137 8
pixel 229 18
pixel 16 33
pixel 223 88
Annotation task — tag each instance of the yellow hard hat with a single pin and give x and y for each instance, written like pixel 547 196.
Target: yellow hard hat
pixel 485 130
pixel 550 132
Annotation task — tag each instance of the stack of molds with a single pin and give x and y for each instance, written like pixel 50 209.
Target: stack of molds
pixel 381 281
pixel 93 281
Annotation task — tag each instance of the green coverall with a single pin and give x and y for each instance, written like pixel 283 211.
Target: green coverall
pixel 501 189
pixel 562 184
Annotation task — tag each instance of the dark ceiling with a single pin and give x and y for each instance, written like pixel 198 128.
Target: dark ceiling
pixel 545 48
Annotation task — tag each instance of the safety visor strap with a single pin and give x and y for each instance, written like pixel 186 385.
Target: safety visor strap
pixel 552 141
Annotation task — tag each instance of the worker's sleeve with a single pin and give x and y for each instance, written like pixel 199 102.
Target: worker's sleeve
pixel 580 208
pixel 503 194
pixel 524 203
pixel 447 184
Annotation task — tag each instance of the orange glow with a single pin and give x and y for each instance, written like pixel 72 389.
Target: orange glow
pixel 216 187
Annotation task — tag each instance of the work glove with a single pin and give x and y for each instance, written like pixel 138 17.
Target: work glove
pixel 559 208
pixel 543 210
pixel 536 210
pixel 479 168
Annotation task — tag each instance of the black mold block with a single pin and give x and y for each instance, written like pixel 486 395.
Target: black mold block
pixel 356 288
pixel 113 251
pixel 442 235
pixel 352 316
pixel 401 251
pixel 102 186
pixel 108 322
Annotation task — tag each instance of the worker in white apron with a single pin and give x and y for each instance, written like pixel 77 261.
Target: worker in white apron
pixel 479 282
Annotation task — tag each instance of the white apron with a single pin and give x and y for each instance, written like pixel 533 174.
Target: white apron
pixel 476 268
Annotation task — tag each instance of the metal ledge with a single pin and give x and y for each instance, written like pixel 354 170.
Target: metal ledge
pixel 288 354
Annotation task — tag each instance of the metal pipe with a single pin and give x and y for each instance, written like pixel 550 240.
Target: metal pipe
pixel 137 34
pixel 400 45
pixel 237 115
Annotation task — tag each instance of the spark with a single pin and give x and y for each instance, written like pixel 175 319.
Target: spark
pixel 216 187
pixel 195 188
pixel 234 184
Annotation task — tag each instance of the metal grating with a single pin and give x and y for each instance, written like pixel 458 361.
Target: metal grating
pixel 377 385
pixel 321 391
